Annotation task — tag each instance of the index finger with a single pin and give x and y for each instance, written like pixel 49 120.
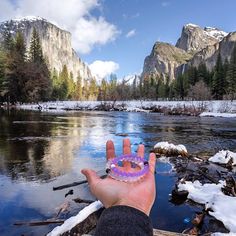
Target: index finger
pixel 110 150
pixel 126 146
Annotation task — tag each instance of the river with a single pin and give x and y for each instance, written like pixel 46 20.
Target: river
pixel 40 150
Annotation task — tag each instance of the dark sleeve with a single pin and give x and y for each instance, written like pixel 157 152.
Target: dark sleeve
pixel 123 220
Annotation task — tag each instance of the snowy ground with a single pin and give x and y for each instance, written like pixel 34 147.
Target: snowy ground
pixel 73 221
pixel 222 207
pixel 211 108
pixel 223 157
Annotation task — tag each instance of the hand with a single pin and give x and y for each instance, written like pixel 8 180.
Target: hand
pixel 111 192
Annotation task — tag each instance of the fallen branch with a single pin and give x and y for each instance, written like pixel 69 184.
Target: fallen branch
pixel 38 223
pixel 74 184
pixel 79 200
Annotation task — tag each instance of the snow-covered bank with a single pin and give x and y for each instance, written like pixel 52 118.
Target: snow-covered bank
pixel 223 157
pixel 73 221
pixel 223 207
pixel 205 108
pixel 215 114
pixel 170 149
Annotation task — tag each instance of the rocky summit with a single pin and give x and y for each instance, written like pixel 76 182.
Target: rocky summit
pixel 195 45
pixel 56 43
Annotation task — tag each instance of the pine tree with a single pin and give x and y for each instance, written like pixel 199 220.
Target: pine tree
pixel 35 51
pixel 78 88
pixel 231 75
pixel 103 90
pixel 64 83
pixel 218 82
pixel 2 75
pixel 39 85
pixel 202 74
pixel 93 89
pixel 8 41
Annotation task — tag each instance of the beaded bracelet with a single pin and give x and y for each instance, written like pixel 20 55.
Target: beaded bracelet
pixel 116 173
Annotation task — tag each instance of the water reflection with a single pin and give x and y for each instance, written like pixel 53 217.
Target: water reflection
pixel 42 150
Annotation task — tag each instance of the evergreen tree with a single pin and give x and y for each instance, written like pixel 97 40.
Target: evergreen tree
pixel 39 85
pixel 64 83
pixel 231 76
pixel 55 85
pixel 103 90
pixel 202 74
pixel 14 78
pixel 192 75
pixel 78 88
pixel 161 89
pixel 218 83
pixel 35 50
pixel 93 89
pixel 8 41
pixel 2 75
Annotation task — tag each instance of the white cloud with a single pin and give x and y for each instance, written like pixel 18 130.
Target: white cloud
pixel 95 31
pixel 131 33
pixel 102 69
pixel 165 4
pixel 72 15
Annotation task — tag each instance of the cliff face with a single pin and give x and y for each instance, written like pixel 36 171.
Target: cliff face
pixel 195 45
pixel 193 38
pixel 163 60
pixel 209 54
pixel 56 44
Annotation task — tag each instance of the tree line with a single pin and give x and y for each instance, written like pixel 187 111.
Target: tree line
pixel 25 77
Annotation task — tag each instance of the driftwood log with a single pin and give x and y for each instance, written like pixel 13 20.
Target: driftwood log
pixel 39 223
pixel 74 184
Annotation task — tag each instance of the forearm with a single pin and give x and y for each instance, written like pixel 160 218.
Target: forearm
pixel 123 220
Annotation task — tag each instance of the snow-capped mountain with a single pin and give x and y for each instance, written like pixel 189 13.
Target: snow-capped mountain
pixel 56 43
pixel 194 38
pixel 195 45
pixel 215 33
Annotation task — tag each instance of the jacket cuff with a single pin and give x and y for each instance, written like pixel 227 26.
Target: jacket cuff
pixel 123 220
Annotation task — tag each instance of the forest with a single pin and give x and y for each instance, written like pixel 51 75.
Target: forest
pixel 25 77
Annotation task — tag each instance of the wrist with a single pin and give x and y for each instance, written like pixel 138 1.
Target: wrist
pixel 140 207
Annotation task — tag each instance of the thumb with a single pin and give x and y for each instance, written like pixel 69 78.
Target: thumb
pixel 91 176
pixel 152 162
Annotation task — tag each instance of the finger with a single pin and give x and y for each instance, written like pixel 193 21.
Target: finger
pixel 152 162
pixel 110 150
pixel 140 151
pixel 91 176
pixel 126 146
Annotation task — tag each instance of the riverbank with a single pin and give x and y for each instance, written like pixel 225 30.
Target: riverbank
pixel 223 108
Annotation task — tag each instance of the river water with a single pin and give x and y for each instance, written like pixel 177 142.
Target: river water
pixel 40 150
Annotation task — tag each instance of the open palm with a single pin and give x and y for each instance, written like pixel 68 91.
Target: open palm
pixel 140 194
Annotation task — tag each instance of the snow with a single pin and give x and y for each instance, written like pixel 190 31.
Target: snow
pixel 73 221
pixel 223 207
pixel 215 114
pixel 29 18
pixel 192 25
pixel 215 33
pixel 224 157
pixel 217 108
pixel 171 147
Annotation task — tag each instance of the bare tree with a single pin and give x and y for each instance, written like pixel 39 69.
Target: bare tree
pixel 200 91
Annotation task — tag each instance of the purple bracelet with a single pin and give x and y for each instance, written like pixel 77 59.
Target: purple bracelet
pixel 116 173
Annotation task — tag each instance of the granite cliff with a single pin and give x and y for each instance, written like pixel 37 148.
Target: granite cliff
pixel 56 44
pixel 194 46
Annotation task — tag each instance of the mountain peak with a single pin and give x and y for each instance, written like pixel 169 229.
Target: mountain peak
pixel 194 38
pixel 192 25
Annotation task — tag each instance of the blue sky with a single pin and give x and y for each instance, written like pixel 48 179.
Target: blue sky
pixel 155 20
pixel 100 27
